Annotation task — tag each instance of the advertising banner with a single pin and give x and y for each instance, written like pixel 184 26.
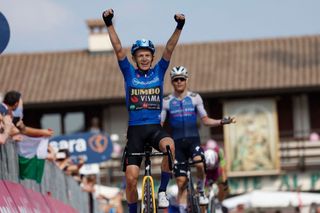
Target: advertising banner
pixel 38 201
pixel 92 147
pixel 19 197
pixel 6 202
pixel 15 198
pixel 58 206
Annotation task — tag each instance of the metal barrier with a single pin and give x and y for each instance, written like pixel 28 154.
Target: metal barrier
pixel 54 181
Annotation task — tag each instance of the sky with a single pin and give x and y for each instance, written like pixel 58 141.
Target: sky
pixel 60 25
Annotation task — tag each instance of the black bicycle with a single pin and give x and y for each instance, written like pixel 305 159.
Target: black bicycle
pixel 148 202
pixel 215 205
pixel 193 205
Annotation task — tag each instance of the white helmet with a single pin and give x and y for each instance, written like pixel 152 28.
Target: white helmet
pixel 179 71
pixel 211 158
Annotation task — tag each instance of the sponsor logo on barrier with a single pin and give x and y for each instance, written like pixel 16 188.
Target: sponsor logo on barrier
pixel 93 148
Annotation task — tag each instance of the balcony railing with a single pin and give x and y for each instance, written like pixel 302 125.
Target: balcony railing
pixel 300 154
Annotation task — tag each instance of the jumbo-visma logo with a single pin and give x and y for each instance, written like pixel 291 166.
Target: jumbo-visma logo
pixel 98 143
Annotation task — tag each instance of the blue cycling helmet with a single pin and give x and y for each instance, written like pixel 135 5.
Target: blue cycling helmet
pixel 143 44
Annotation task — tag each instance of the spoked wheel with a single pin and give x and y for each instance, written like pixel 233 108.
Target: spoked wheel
pixel 148 204
pixel 193 204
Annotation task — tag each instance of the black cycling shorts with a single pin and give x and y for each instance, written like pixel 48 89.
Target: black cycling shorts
pixel 138 136
pixel 185 149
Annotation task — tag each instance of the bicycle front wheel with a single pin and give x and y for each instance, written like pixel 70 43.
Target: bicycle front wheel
pixel 193 204
pixel 148 203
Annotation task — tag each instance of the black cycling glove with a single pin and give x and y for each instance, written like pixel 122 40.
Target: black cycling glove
pixel 226 120
pixel 107 19
pixel 180 22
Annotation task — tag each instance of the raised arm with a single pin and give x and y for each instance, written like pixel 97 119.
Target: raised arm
pixel 115 41
pixel 172 42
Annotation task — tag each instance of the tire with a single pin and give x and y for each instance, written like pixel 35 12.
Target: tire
pixel 196 205
pixel 215 207
pixel 211 206
pixel 148 199
pixel 193 203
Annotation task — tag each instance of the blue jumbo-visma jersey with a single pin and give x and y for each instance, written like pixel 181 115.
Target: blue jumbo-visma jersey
pixel 144 91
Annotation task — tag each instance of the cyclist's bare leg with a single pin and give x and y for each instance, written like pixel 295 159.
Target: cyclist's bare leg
pixel 162 145
pixel 221 193
pixel 132 174
pixel 200 174
pixel 182 190
pixel 200 168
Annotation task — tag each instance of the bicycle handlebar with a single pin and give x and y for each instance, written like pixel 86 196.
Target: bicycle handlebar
pixel 143 154
pixel 152 154
pixel 190 162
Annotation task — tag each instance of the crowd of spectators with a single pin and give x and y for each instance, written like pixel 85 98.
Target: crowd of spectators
pixel 12 128
pixel 110 199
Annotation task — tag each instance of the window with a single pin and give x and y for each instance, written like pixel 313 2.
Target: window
pixel 52 121
pixel 74 122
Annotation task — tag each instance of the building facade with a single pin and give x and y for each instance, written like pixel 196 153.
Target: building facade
pixel 271 85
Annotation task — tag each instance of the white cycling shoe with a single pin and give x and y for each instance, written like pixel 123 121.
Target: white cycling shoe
pixel 163 201
pixel 203 200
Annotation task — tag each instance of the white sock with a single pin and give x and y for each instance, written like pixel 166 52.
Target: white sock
pixel 182 208
pixel 200 186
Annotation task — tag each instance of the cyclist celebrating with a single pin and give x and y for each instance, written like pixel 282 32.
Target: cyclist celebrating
pixel 182 107
pixel 144 92
pixel 216 172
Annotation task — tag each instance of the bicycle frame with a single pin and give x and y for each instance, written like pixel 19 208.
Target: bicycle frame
pixel 148 203
pixel 214 205
pixel 192 199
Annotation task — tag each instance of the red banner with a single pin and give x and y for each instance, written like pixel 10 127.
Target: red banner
pixel 58 206
pixel 6 202
pixel 38 201
pixel 14 198
pixel 19 197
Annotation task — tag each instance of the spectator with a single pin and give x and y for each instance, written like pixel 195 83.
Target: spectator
pixel 110 202
pixel 13 105
pixel 5 127
pixel 88 183
pixel 95 125
pixel 113 205
pixel 51 154
pixel 10 102
pixel 65 163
